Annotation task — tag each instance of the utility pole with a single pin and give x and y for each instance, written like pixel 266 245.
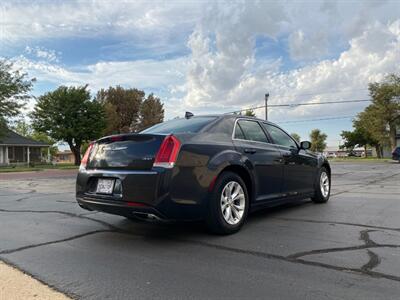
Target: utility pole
pixel 266 106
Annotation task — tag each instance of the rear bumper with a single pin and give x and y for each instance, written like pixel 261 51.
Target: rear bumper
pixel 121 209
pixel 143 192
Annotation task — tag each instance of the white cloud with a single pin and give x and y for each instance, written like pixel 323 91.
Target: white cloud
pixel 24 21
pixel 43 54
pixel 144 74
pixel 223 70
pixel 307 48
pixel 370 56
pixel 216 68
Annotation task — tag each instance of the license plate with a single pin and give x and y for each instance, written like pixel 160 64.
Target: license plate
pixel 105 186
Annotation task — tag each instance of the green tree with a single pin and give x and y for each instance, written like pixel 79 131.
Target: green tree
pixel 42 137
pixel 23 128
pixel 359 137
pixel 122 108
pixel 69 114
pixel 385 109
pixel 151 113
pixel 250 113
pixel 14 91
pixel 296 137
pixel 318 140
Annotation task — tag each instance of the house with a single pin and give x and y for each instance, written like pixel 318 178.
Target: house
pixel 65 156
pixel 16 149
pixel 333 152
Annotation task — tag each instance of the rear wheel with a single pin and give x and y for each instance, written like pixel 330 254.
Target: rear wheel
pixel 228 206
pixel 322 187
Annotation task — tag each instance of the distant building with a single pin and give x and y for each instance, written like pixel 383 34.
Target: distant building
pixel 337 152
pixel 16 149
pixel 64 157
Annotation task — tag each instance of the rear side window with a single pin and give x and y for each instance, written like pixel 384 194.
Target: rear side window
pixel 239 133
pixel 192 125
pixel 279 136
pixel 250 130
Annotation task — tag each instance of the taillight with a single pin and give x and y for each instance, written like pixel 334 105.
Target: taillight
pixel 168 153
pixel 85 158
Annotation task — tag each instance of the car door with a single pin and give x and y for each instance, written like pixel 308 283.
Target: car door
pixel 299 165
pixel 250 139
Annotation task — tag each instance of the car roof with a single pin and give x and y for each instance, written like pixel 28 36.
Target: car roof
pixel 233 116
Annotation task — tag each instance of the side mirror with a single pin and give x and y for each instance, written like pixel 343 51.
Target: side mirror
pixel 305 145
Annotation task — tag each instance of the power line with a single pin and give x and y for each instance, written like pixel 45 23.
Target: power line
pixel 318 103
pixel 319 119
pixel 322 93
pixel 301 104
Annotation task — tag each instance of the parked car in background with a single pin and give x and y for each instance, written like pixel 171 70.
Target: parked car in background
pixel 396 154
pixel 215 168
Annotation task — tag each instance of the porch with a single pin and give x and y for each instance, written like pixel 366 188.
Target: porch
pixel 17 150
pixel 15 155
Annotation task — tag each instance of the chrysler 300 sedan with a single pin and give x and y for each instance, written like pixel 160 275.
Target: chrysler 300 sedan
pixel 215 168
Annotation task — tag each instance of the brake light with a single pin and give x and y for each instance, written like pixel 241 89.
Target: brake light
pixel 168 153
pixel 85 158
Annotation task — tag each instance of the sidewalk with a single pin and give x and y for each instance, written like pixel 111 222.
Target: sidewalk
pixel 48 173
pixel 15 285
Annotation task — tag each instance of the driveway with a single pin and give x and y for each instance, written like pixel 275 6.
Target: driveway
pixel 348 248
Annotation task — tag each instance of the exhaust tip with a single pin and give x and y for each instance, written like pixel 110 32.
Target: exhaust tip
pixel 147 216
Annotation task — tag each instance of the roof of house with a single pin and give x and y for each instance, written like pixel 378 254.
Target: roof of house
pixel 12 138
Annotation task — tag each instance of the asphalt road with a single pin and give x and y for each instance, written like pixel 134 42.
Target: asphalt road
pixel 348 248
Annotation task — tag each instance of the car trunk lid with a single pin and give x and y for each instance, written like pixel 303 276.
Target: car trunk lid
pixel 128 151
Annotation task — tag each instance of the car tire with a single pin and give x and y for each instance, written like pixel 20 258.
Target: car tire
pixel 322 187
pixel 226 214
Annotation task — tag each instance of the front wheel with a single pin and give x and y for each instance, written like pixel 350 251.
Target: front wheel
pixel 228 205
pixel 322 187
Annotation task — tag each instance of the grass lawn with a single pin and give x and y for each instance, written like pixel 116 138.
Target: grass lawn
pixel 37 168
pixel 360 159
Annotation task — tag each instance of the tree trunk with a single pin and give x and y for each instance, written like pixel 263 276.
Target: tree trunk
pixel 77 155
pixel 365 151
pixel 378 151
pixel 76 150
pixel 392 135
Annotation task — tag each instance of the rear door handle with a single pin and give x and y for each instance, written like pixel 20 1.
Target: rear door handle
pixel 250 150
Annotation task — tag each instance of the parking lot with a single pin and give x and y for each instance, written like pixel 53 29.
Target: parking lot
pixel 348 248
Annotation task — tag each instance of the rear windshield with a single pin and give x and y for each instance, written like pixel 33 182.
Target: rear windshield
pixel 192 125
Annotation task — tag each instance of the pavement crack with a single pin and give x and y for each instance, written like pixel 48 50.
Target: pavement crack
pixel 336 223
pixel 291 258
pixel 364 236
pixel 53 242
pixel 361 185
pixel 374 261
pixel 110 226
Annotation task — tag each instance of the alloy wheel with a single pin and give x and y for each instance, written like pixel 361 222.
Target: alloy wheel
pixel 233 202
pixel 324 184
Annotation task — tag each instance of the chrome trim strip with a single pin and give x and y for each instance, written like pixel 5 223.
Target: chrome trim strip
pixel 116 172
pixel 250 141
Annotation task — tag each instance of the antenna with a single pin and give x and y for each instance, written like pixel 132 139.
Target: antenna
pixel 188 115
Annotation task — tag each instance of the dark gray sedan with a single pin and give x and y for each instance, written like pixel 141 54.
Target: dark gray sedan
pixel 215 168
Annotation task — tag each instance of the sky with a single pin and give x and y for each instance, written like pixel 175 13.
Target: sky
pixel 212 56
